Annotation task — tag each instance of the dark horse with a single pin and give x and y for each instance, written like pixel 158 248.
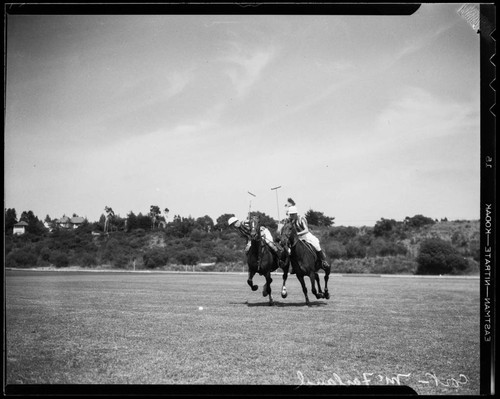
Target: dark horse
pixel 261 259
pixel 305 262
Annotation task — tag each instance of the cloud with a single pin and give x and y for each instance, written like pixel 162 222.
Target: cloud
pixel 177 81
pixel 418 43
pixel 419 115
pixel 416 117
pixel 244 67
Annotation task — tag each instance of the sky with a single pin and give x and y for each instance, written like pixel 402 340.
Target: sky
pixel 358 117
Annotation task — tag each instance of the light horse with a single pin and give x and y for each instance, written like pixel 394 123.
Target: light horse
pixel 305 262
pixel 261 259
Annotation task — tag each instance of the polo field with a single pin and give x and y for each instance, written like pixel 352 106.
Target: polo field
pixel 90 327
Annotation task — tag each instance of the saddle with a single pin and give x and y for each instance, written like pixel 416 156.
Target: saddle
pixel 310 247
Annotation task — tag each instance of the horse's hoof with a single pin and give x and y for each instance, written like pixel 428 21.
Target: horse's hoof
pixel 327 295
pixel 284 294
pixel 320 296
pixel 255 287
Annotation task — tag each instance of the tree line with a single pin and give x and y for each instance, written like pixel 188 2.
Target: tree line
pixel 139 241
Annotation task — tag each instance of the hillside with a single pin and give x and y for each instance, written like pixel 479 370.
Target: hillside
pixel 464 235
pixel 388 247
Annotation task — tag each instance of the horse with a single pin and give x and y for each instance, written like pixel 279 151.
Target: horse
pixel 305 262
pixel 261 259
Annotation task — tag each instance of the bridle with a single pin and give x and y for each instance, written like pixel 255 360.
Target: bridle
pixel 254 229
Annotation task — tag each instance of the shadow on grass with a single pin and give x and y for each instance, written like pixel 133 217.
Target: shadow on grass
pixel 280 304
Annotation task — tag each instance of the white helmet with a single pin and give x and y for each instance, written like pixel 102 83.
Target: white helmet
pixel 292 210
pixel 232 220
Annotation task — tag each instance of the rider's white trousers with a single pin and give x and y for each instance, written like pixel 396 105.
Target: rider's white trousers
pixel 313 240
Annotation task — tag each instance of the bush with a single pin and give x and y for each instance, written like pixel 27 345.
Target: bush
pixel 59 259
pixel 384 227
pixel 355 249
pixel 418 221
pixel 437 256
pixel 121 261
pixel 20 258
pixel 88 260
pixel 343 234
pixel 155 258
pixel 385 247
pixel 45 254
pixel 334 250
pixel 222 254
pixel 188 257
pixel 393 265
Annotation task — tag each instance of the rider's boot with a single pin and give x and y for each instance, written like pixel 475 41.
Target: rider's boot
pixel 322 258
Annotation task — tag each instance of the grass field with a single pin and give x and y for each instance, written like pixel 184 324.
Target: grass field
pixel 147 328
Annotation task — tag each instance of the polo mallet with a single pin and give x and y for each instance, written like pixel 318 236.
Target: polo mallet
pixel 250 206
pixel 277 202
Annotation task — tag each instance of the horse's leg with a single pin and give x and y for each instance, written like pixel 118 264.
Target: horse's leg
pixel 304 288
pixel 284 293
pixel 267 288
pixel 312 277
pixel 316 277
pixel 251 273
pixel 327 275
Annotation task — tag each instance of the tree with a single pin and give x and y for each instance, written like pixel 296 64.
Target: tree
pixel 437 256
pixel 188 256
pixel 143 221
pixel 205 223
pixel 132 221
pixel 316 218
pixel 10 219
pixel 222 221
pixel 181 226
pixel 109 219
pixel 265 220
pixel 343 234
pixel 35 226
pixel 355 249
pixel 384 227
pixel 154 258
pixel 154 213
pixel 418 221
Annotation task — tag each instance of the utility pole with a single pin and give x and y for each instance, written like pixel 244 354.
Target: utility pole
pixel 277 202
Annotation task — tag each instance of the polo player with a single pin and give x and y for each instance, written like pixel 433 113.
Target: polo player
pixel 244 229
pixel 304 234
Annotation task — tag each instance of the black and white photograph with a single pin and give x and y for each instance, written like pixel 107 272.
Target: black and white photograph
pixel 244 199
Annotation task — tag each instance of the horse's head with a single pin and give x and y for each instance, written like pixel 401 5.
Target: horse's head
pixel 254 228
pixel 288 234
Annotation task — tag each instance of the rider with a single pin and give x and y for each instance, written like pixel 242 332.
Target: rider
pixel 244 229
pixel 304 234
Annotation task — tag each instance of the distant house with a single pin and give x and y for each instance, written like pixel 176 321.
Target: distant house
pixel 64 222
pixel 20 227
pixel 70 223
pixel 76 221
